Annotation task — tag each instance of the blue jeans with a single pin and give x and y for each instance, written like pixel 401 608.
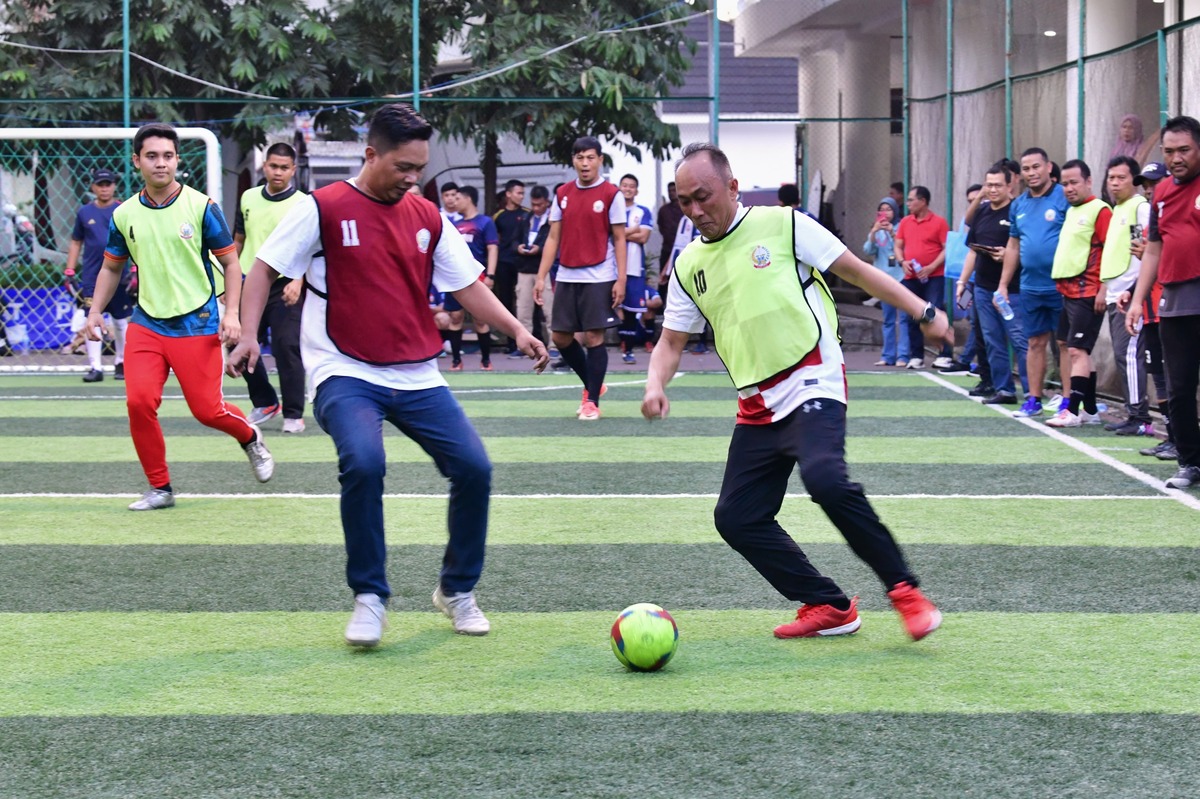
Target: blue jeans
pixel 352 412
pixel 933 290
pixel 998 335
pixel 895 333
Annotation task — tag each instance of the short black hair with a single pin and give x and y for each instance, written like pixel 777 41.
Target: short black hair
pixel 395 124
pixel 449 186
pixel 512 184
pixel 629 176
pixel 1055 172
pixel 585 143
pixel 789 194
pixel 715 155
pixel 1036 151
pixel 922 193
pixel 471 193
pixel 539 192
pixel 282 148
pixel 1001 168
pixel 974 187
pixel 898 186
pixel 1183 124
pixel 157 130
pixel 1124 160
pixel 1081 165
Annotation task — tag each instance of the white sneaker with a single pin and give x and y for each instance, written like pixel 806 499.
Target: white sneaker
pixel 1064 418
pixel 942 362
pixel 293 425
pixel 260 457
pixel 259 415
pixel 154 499
pixel 1090 418
pixel 367 622
pixel 915 363
pixel 1055 403
pixel 461 608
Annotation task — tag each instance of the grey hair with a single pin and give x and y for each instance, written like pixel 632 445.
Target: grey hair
pixel 716 156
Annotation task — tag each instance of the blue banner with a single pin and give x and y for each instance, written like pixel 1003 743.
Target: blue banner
pixel 38 319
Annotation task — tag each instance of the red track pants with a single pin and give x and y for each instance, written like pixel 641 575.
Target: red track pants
pixel 196 361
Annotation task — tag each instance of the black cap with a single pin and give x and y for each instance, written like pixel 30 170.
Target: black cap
pixel 1151 171
pixel 104 176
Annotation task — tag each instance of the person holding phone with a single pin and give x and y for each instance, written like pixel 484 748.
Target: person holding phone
pixel 986 243
pixel 881 245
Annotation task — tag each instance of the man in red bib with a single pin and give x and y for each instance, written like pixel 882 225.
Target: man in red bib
pixel 369 252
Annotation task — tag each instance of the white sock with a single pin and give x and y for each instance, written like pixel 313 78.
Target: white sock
pixel 94 348
pixel 119 327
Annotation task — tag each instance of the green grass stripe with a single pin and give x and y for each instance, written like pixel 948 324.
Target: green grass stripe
pixel 152 664
pixel 509 426
pixel 617 520
pixel 652 755
pixel 606 449
pixel 581 477
pixel 583 577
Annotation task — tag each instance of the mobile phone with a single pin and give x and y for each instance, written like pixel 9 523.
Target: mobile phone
pixel 882 216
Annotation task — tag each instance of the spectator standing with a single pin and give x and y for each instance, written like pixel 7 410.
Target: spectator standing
pixel 1076 272
pixel 667 221
pixel 587 235
pixel 90 235
pixel 758 276
pixel 531 239
pixel 175 324
pixel 1173 241
pixel 260 210
pixel 369 251
pixel 881 246
pixel 1119 270
pixel 1035 222
pixel 479 232
pixel 921 251
pixel 450 201
pixel 987 241
pixel 896 192
pixel 640 300
pixel 508 221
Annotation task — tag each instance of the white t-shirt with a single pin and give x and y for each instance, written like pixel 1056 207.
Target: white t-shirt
pixel 824 377
pixel 636 216
pixel 602 272
pixel 290 250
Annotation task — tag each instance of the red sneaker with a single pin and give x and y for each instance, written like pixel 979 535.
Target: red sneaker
pixel 588 411
pixel 814 620
pixel 921 617
pixel 583 401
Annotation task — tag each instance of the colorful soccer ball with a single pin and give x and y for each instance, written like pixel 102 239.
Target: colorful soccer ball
pixel 644 637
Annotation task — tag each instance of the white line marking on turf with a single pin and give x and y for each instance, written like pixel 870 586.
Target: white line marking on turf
pixel 1079 446
pixel 59 495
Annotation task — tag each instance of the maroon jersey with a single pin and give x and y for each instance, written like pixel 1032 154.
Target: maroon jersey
pixel 1175 221
pixel 379 267
pixel 585 230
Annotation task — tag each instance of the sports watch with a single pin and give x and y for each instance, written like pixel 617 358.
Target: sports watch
pixel 929 314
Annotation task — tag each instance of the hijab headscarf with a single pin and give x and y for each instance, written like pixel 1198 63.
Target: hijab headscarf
pixel 895 209
pixel 1129 148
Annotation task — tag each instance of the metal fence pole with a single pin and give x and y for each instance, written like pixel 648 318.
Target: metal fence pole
pixel 949 109
pixel 1008 84
pixel 1079 78
pixel 714 75
pixel 1163 112
pixel 416 55
pixel 905 123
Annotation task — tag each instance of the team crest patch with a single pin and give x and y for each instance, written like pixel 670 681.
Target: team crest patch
pixel 423 237
pixel 563 204
pixel 1049 215
pixel 598 206
pixel 1196 204
pixel 761 257
pixel 186 231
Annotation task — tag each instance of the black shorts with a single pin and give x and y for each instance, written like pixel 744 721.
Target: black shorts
pixel 583 306
pixel 1079 324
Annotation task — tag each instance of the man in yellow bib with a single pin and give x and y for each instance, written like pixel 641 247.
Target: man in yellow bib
pixel 756 276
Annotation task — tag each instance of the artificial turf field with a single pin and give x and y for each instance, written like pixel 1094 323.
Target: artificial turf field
pixel 197 652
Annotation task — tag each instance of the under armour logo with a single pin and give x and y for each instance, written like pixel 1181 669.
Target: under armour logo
pixel 815 405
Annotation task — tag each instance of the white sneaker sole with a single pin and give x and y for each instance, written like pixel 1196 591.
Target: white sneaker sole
pixel 845 629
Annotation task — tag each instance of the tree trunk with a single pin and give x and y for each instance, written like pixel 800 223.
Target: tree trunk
pixel 491 160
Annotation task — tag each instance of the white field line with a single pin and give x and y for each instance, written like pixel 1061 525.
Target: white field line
pixel 456 392
pixel 1180 496
pixel 1088 498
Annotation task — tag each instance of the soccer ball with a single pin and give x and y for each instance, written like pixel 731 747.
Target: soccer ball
pixel 644 637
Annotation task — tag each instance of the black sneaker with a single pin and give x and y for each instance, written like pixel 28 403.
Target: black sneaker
pixel 1112 426
pixel 119 372
pixel 1001 398
pixel 94 376
pixel 1168 453
pixel 982 390
pixel 1151 452
pixel 956 368
pixel 1132 427
pixel 1186 477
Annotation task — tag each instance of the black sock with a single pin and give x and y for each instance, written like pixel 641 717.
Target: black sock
pixel 166 487
pixel 842 604
pixel 455 337
pixel 485 346
pixel 1089 397
pixel 576 358
pixel 597 367
pixel 1078 391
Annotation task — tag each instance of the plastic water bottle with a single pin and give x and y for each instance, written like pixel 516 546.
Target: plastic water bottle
pixel 1006 309
pixel 917 268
